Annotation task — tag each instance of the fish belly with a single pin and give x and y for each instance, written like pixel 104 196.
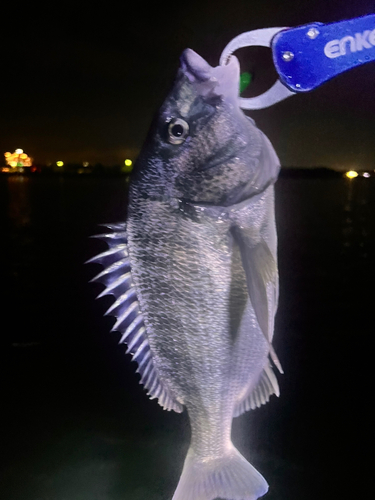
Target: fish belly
pixel 205 341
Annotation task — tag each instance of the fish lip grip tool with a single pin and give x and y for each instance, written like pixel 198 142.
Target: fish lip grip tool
pixel 308 55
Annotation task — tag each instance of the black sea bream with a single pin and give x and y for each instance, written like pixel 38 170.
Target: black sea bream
pixel 194 272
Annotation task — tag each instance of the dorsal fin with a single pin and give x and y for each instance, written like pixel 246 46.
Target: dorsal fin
pixel 260 394
pixel 117 279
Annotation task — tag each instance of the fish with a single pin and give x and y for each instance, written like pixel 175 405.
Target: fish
pixel 193 271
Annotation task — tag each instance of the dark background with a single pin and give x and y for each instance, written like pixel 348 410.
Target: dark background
pixel 76 424
pixel 81 81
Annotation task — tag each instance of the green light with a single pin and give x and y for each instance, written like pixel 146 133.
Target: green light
pixel 245 80
pixel 128 163
pixel 59 163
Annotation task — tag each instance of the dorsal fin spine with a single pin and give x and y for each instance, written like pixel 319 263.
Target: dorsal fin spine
pixel 153 386
pixel 143 348
pixel 148 375
pixel 132 307
pixel 108 253
pixel 116 235
pixel 143 361
pixel 117 278
pixel 115 226
pixel 123 298
pixel 146 371
pixel 158 391
pixel 113 267
pixel 126 277
pixel 137 323
pixel 112 286
pixel 151 380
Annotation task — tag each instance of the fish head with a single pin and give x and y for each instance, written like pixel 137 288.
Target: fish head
pixel 201 146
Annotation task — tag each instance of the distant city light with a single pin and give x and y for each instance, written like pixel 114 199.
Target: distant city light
pixel 127 167
pixel 85 163
pixel 5 169
pixel 60 163
pixel 351 174
pixel 366 174
pixel 18 159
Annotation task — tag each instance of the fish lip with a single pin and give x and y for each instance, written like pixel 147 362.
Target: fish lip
pixel 194 66
pixel 222 79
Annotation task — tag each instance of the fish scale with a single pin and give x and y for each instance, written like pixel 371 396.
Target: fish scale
pixel 204 338
pixel 194 272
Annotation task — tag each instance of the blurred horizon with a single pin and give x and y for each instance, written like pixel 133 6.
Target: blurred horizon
pixel 85 84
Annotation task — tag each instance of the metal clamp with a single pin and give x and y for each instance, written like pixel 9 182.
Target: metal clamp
pixel 309 55
pixel 262 38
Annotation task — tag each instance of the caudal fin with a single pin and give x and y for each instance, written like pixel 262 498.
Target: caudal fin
pixel 230 477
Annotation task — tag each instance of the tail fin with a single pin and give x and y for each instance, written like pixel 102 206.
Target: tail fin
pixel 230 477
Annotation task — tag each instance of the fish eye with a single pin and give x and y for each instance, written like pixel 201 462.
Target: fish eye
pixel 178 130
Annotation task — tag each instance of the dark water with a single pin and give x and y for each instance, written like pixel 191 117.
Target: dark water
pixel 77 425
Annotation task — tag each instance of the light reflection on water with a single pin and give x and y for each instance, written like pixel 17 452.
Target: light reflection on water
pixel 19 207
pixel 357 224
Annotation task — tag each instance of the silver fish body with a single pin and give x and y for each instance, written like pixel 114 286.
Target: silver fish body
pixel 194 272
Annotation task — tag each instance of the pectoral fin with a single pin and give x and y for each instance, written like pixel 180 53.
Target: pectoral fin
pixel 262 281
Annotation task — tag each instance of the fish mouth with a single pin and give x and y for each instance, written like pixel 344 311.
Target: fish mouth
pixel 222 79
pixel 194 66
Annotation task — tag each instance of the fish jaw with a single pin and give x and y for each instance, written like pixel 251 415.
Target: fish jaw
pixel 223 79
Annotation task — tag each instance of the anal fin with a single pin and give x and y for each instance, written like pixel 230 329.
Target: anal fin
pixel 260 394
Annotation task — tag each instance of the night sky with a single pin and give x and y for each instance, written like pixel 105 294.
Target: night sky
pixel 81 82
